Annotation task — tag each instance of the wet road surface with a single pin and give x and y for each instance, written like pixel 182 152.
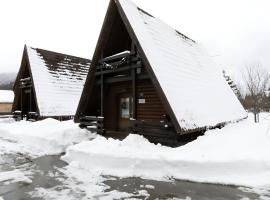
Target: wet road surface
pixel 44 173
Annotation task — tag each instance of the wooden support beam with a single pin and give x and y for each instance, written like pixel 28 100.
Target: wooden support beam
pixel 134 94
pixel 25 86
pixel 30 101
pixel 120 69
pixel 91 118
pixel 122 79
pixel 28 79
pixel 101 94
pixel 130 60
pixel 116 56
pixel 21 103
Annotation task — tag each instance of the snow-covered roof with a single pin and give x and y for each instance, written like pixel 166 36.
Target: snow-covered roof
pixel 6 96
pixel 193 85
pixel 58 80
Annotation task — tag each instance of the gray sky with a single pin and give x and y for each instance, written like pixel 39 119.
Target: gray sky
pixel 235 32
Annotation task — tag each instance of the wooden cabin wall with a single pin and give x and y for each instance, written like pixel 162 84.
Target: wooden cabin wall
pixel 152 108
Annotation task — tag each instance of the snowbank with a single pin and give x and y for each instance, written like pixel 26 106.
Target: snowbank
pixel 14 176
pixel 44 137
pixel 238 154
pixel 6 96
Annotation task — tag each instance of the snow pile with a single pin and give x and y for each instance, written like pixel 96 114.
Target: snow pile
pixel 6 96
pixel 13 177
pixel 206 99
pixel 238 154
pixel 44 137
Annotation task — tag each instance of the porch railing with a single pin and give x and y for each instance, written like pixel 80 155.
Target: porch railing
pixel 92 123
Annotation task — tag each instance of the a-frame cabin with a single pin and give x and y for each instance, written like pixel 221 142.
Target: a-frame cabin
pixel 48 84
pixel 150 79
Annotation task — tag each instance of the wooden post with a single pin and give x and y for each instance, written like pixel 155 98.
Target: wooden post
pixel 30 107
pixel 134 91
pixel 101 94
pixel 21 103
pixel 134 94
pixel 101 89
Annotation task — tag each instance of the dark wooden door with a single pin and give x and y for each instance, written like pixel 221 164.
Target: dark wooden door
pixel 124 111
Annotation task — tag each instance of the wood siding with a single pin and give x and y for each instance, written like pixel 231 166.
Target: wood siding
pixel 152 108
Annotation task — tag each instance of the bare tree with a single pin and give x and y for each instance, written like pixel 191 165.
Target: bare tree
pixel 236 87
pixel 256 80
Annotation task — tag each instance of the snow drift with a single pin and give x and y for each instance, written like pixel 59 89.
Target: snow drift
pixel 44 137
pixel 6 96
pixel 238 154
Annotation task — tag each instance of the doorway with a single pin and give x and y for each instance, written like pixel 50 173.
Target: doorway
pixel 125 111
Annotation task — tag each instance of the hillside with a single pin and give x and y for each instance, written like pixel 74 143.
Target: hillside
pixel 7 80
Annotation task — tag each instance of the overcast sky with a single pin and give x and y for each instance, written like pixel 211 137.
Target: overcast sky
pixel 235 32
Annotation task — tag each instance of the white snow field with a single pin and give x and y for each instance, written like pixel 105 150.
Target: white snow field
pixel 14 176
pixel 238 154
pixel 6 96
pixel 46 137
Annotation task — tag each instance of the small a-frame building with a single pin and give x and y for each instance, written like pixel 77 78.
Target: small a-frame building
pixel 48 84
pixel 150 79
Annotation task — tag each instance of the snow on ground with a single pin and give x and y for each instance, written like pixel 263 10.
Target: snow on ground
pixel 238 154
pixel 6 96
pixel 14 176
pixel 92 185
pixel 44 137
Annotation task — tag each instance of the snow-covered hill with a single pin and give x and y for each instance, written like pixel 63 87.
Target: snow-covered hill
pixel 7 77
pixel 7 80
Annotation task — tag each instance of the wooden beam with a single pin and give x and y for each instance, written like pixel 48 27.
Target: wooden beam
pixel 25 86
pixel 131 60
pixel 30 106
pixel 129 67
pixel 101 94
pixel 134 94
pixel 117 56
pixel 21 102
pixel 122 79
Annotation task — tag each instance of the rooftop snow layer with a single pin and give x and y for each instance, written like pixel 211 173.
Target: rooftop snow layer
pixel 194 86
pixel 6 96
pixel 58 81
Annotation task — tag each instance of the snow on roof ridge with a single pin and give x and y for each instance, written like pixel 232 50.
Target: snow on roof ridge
pixel 54 52
pixel 165 23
